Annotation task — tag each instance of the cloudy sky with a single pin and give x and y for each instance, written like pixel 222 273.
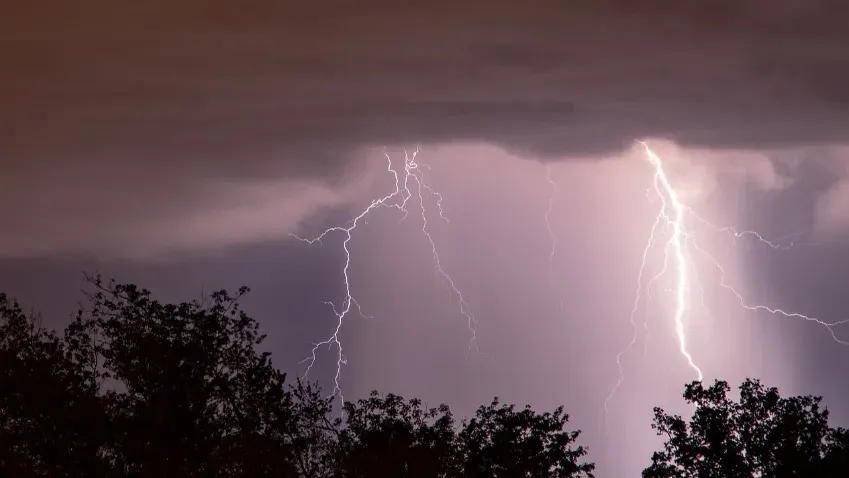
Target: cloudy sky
pixel 179 144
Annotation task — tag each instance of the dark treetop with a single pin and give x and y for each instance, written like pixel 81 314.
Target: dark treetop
pixel 139 388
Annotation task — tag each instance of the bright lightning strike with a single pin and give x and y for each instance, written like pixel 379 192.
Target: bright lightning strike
pixel 669 198
pixel 408 184
pixel 673 215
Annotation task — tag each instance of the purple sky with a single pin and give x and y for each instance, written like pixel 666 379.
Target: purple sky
pixel 177 144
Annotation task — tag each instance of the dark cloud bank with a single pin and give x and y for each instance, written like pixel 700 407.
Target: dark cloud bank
pixel 116 111
pixel 224 88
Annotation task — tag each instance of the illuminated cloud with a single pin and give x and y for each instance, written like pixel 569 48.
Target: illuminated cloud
pixel 149 217
pixel 832 208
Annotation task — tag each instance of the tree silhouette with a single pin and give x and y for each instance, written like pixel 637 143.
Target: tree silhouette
pixel 388 436
pixel 51 423
pixel 190 393
pixel 761 435
pixel 140 388
pixel 500 441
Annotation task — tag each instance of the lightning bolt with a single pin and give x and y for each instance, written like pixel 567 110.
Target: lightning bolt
pixel 409 185
pixel 669 198
pixel 657 222
pixel 552 196
pixel 672 215
pixel 829 326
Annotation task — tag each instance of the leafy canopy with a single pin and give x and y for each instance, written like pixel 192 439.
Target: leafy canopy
pixel 760 435
pixel 136 388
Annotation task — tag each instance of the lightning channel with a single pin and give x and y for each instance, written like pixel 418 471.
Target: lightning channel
pixel 631 318
pixel 407 184
pixel 414 169
pixel 829 326
pixel 669 197
pixel 672 219
pixel 552 196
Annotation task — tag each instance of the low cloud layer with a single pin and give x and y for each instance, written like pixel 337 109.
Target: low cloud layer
pixel 832 207
pixel 136 104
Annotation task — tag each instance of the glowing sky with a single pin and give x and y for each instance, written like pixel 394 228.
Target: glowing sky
pixel 180 143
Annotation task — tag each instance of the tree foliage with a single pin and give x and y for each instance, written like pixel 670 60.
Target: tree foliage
pixel 760 435
pixel 388 436
pixel 500 441
pixel 140 388
pixel 50 422
pixel 190 393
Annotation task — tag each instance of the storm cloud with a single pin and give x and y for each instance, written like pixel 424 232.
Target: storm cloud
pixel 114 111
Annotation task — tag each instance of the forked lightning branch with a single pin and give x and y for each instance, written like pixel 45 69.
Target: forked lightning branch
pixel 409 186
